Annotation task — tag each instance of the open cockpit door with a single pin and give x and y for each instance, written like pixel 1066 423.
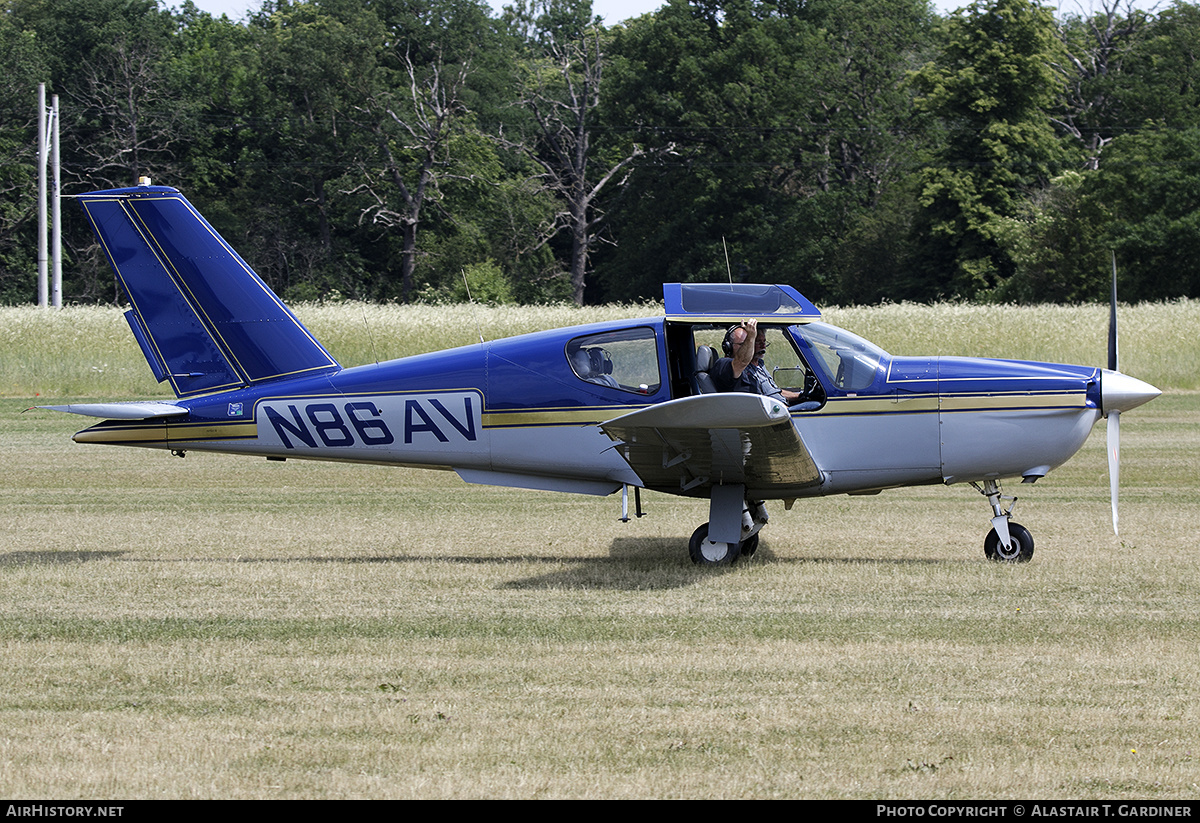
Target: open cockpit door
pixel 730 302
pixel 699 314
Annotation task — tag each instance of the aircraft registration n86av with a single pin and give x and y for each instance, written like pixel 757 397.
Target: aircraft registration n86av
pixel 591 409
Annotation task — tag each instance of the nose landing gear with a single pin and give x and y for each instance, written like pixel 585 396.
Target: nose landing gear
pixel 1007 542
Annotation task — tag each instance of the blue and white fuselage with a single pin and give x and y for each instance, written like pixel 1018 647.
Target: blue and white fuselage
pixel 587 409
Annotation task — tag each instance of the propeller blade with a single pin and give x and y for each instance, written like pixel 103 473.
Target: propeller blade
pixel 1114 461
pixel 1112 319
pixel 1114 415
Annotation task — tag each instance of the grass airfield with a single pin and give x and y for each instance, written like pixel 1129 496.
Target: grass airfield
pixel 225 627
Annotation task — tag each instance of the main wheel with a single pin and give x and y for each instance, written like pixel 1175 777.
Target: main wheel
pixel 1020 549
pixel 749 546
pixel 705 552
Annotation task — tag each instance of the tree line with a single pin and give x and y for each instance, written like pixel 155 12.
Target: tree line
pixel 418 150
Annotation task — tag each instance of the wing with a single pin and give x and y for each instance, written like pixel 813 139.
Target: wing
pixel 691 444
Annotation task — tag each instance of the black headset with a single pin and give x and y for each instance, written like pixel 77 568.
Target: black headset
pixel 727 343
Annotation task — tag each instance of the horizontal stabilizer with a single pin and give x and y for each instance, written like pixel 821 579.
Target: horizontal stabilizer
pixel 203 318
pixel 121 411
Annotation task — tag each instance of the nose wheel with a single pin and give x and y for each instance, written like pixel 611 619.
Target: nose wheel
pixel 1007 542
pixel 1018 550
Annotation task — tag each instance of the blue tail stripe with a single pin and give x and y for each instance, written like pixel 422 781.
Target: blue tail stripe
pixel 209 317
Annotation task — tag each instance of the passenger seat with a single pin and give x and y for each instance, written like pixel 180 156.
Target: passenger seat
pixel 706 358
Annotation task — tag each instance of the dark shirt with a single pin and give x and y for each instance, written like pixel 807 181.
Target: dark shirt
pixel 754 380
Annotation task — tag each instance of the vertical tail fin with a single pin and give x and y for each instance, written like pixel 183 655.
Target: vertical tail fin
pixel 203 318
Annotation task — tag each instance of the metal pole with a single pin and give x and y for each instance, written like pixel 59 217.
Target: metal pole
pixel 43 286
pixel 56 212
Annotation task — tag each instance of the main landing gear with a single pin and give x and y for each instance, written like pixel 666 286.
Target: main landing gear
pixel 707 552
pixel 1007 542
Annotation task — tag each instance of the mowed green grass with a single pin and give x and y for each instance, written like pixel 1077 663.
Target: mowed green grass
pixel 228 627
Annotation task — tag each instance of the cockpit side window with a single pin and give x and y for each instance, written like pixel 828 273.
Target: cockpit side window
pixel 626 359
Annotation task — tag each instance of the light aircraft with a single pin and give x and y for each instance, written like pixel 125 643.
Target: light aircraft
pixel 592 409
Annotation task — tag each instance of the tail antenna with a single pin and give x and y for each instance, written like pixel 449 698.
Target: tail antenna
pixel 363 309
pixel 475 308
pixel 728 269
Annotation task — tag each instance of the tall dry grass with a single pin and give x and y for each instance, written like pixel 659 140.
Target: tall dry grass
pixel 89 351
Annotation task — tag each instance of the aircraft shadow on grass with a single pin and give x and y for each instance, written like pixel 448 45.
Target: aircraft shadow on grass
pixel 634 564
pixel 55 558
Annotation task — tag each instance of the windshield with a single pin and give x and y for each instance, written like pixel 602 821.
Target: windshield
pixel 849 362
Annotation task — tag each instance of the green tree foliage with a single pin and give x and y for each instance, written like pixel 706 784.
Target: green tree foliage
pixel 106 59
pixel 791 121
pixel 21 68
pixel 1057 245
pixel 1161 77
pixel 991 86
pixel 363 171
pixel 1140 205
pixel 314 69
pixel 1147 197
pixel 1135 97
pixel 406 149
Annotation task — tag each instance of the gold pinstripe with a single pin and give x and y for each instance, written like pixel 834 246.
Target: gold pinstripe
pixel 531 418
pixel 167 433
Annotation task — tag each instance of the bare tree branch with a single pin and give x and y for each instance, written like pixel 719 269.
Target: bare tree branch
pixel 562 97
pixel 412 134
pixel 1110 34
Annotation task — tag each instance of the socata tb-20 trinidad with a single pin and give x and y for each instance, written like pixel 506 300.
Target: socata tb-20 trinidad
pixel 592 409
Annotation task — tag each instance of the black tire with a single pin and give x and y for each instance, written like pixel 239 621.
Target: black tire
pixel 704 552
pixel 749 545
pixel 1021 550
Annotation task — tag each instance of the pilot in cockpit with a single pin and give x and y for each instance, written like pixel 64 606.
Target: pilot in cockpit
pixel 742 369
pixel 594 365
